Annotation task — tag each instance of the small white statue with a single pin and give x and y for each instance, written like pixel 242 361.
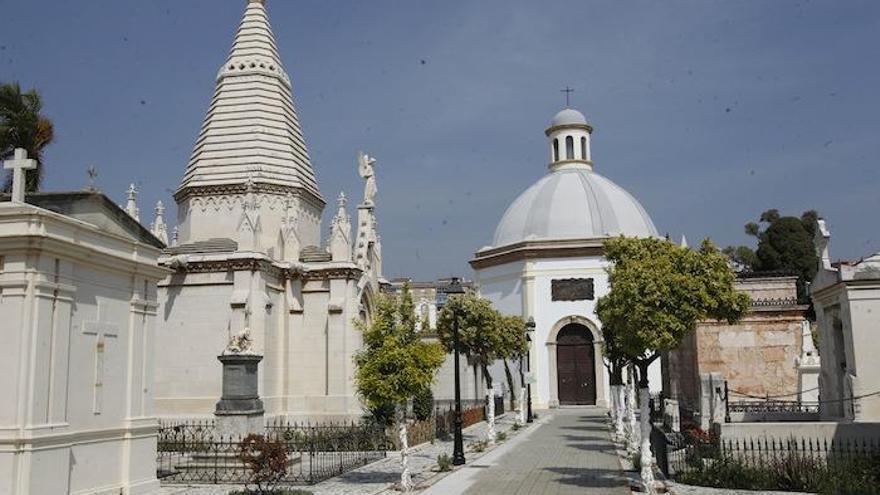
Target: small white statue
pixel 239 343
pixel 366 165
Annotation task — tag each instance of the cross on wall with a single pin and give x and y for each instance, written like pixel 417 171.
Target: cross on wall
pixel 101 330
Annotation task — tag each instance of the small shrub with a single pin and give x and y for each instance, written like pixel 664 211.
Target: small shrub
pixel 479 446
pixel 516 427
pixel 266 459
pixel 501 436
pixel 444 462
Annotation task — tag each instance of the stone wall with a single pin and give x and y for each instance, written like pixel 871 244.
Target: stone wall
pixel 757 355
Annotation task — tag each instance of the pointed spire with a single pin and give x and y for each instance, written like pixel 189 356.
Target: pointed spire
pixel 252 121
pixel 340 232
pixel 158 228
pixel 684 241
pixel 131 206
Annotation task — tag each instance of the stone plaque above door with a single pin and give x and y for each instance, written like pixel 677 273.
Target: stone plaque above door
pixel 572 289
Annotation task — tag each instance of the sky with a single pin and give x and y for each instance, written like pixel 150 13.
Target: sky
pixel 707 112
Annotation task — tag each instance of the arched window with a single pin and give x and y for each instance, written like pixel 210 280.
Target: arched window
pixel 556 150
pixel 569 148
pixel 584 149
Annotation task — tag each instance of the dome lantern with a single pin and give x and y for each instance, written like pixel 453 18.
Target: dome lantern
pixel 569 135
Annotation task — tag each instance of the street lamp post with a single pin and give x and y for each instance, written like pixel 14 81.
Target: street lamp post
pixel 530 327
pixel 458 447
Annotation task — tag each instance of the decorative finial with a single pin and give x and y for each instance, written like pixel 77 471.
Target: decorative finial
pixel 174 236
pixel 568 91
pixel 92 172
pixel 19 164
pixel 341 200
pixel 131 207
pixel 158 228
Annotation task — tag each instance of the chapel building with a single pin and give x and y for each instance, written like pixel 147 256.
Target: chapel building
pixel 546 262
pixel 248 256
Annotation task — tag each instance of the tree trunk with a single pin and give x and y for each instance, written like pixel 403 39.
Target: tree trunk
pixel 646 459
pixel 631 444
pixel 617 400
pixel 486 376
pixel 405 478
pixel 490 413
pixel 510 384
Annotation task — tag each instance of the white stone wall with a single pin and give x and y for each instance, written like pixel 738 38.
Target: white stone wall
pixel 524 288
pixel 201 218
pixel 77 363
pixel 304 330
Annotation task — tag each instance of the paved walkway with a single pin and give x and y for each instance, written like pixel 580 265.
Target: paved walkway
pixel 570 453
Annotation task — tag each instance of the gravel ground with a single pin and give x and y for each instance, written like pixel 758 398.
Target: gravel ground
pixel 380 476
pixel 679 489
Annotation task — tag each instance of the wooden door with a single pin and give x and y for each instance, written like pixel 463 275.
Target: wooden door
pixel 575 366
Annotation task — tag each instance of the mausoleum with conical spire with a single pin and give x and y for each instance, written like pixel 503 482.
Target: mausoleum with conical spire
pixel 248 257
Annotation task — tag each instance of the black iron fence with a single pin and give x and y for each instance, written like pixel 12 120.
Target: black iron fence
pixel 801 464
pixel 195 452
pixel 772 407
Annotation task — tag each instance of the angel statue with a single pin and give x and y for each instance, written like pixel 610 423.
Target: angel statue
pixel 365 167
pixel 239 343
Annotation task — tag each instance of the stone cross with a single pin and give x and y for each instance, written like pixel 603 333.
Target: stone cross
pixel 101 330
pixel 19 164
pixel 568 91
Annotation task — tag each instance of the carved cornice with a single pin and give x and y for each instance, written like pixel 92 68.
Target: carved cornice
pixel 267 266
pixel 347 273
pixel 240 189
pixel 526 250
pixel 235 265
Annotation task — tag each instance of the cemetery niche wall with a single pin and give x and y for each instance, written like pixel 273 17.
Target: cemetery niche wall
pixel 78 304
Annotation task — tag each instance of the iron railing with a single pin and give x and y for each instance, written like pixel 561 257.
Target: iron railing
pixel 195 452
pixel 772 406
pixel 800 464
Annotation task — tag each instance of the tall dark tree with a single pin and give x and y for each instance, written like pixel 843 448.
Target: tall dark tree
pixel 785 244
pixel 22 125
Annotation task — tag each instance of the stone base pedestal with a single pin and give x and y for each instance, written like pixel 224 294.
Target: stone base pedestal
pixel 240 411
pixel 238 425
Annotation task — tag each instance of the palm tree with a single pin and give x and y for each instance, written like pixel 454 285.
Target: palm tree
pixel 22 126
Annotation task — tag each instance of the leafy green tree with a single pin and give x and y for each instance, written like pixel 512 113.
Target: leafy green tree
pixel 478 329
pixel 395 365
pixel 659 292
pixel 785 244
pixel 22 125
pixel 512 346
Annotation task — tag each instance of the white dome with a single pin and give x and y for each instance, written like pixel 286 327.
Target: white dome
pixel 573 203
pixel 569 116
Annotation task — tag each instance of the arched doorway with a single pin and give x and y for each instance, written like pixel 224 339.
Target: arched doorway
pixel 575 365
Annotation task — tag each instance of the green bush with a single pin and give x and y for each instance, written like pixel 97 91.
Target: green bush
pixel 501 436
pixel 444 463
pixel 790 471
pixel 516 427
pixel 423 404
pixel 479 445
